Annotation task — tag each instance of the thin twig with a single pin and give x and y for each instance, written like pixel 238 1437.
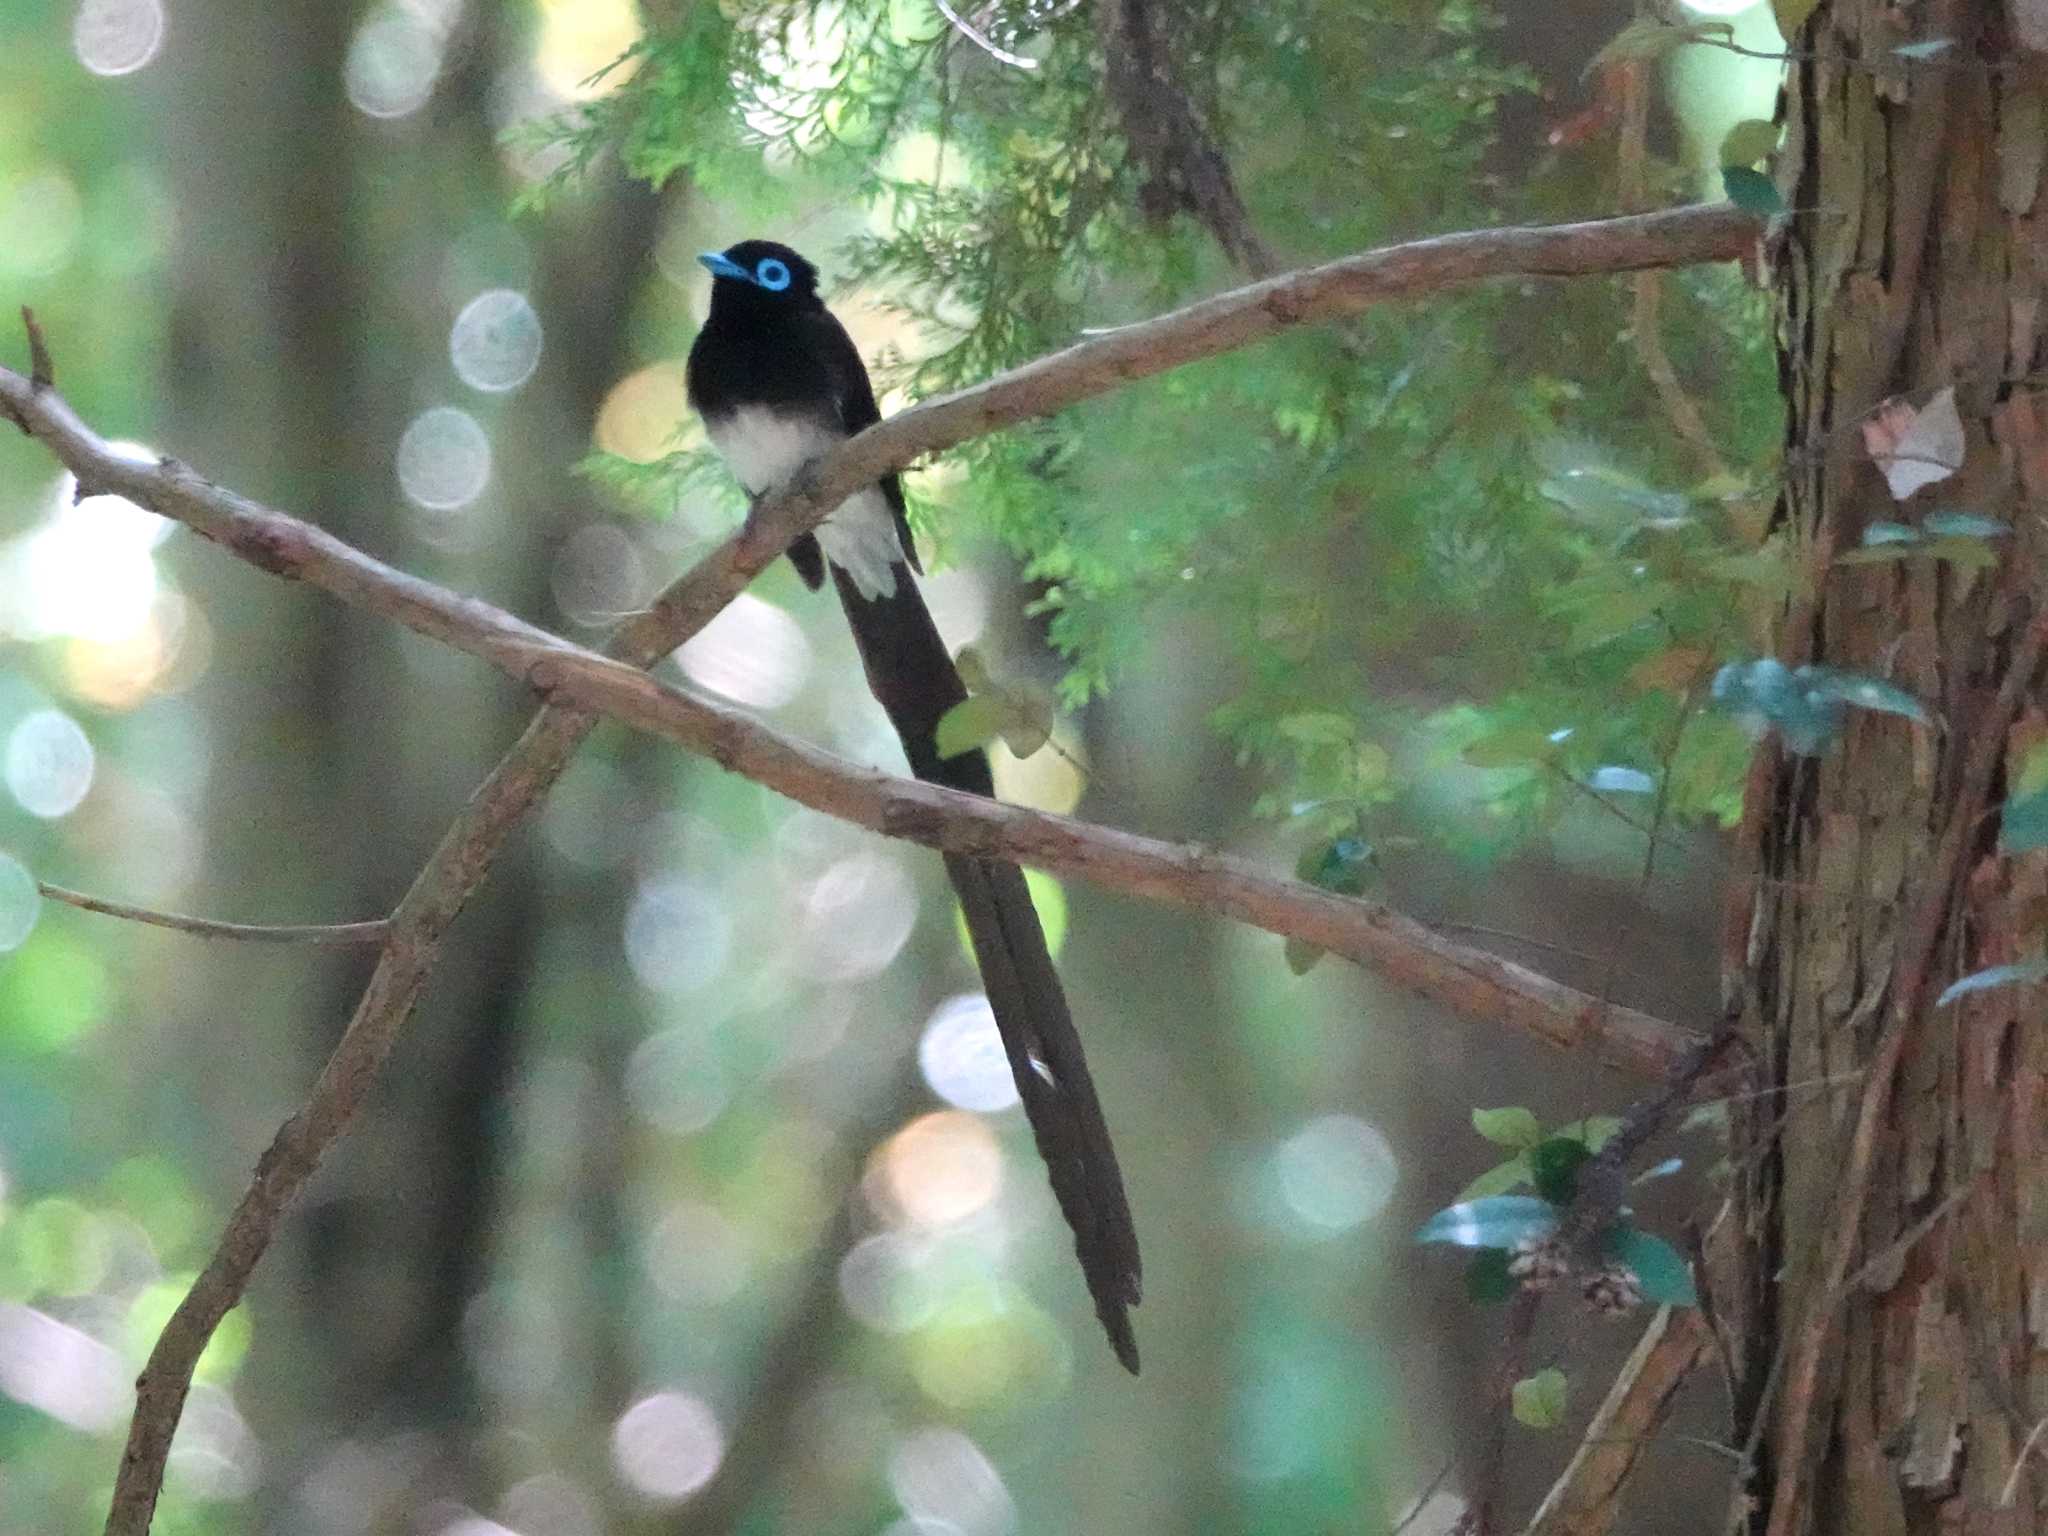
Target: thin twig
pixel 1587 1495
pixel 2012 1480
pixel 1481 1518
pixel 1422 1499
pixel 373 932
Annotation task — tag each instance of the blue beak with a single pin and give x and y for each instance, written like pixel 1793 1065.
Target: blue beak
pixel 721 265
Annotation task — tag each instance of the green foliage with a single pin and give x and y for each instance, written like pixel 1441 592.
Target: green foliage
pixel 1660 1269
pixel 1539 1401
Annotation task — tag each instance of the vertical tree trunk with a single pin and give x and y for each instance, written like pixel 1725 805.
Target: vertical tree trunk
pixel 1915 259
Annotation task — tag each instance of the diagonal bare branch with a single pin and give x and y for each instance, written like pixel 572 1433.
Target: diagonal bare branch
pixel 459 865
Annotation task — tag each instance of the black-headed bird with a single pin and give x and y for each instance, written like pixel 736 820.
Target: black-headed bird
pixel 777 382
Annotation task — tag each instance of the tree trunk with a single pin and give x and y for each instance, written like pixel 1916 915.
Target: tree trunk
pixel 1901 1400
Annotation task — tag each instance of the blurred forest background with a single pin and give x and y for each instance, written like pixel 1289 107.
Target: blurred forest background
pixel 702 1081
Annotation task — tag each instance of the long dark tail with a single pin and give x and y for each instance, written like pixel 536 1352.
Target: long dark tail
pixel 912 675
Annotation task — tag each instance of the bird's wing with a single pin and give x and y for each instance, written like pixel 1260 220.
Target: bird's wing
pixel 853 394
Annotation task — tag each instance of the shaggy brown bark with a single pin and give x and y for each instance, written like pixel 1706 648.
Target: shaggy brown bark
pixel 1893 1345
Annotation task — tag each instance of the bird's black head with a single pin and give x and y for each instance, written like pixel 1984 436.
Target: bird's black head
pixel 758 273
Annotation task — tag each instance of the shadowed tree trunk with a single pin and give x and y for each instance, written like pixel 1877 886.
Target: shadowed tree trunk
pixel 1913 263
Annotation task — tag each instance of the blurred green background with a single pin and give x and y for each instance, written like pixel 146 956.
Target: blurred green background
pixel 702 1080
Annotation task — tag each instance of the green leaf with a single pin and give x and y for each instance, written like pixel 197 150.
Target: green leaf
pixel 1317 728
pixel 1345 865
pixel 1512 1126
pixel 1863 691
pixel 1706 1117
pixel 2023 825
pixel 1751 191
pixel 1499 1221
pixel 1512 748
pixel 1302 956
pixel 1487 1278
pixel 1027 716
pixel 2033 775
pixel 1964 525
pixel 1659 1268
pixel 973 669
pixel 1595 1130
pixel 1967 553
pixel 1748 142
pixel 1538 1400
pixel 1554 1168
pixel 2022 973
pixel 1498 1179
pixel 971 723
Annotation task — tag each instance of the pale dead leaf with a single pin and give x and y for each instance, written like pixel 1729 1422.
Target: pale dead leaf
pixel 1916 448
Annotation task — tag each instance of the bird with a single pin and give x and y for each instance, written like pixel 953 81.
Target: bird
pixel 777 381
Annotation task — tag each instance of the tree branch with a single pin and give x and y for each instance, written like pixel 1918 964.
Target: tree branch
pixel 1587 1496
pixel 371 932
pixel 463 859
pixel 1468 980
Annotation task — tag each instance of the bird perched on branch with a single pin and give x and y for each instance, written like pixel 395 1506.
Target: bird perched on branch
pixel 777 382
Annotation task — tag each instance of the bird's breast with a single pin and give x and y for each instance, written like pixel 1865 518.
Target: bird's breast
pixel 764 447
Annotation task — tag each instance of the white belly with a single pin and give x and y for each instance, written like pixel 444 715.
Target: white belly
pixel 763 449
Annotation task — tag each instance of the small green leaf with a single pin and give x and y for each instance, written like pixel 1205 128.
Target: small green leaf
pixel 1967 553
pixel 1538 1400
pixel 1659 1268
pixel 1863 691
pixel 1511 748
pixel 1498 1179
pixel 973 669
pixel 1748 142
pixel 1512 1126
pixel 1554 1168
pixel 1706 1117
pixel 1616 780
pixel 1751 191
pixel 1890 533
pixel 1027 715
pixel 1302 956
pixel 1487 1278
pixel 2023 973
pixel 1500 1221
pixel 1317 728
pixel 2023 824
pixel 1595 1130
pixel 971 723
pixel 1345 865
pixel 2033 775
pixel 1964 525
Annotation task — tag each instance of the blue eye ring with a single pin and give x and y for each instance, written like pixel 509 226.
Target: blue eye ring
pixel 772 275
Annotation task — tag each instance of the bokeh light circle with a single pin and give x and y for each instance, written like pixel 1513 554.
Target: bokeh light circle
pixel 962 1058
pixel 21 902
pixel 669 1445
pixel 939 1475
pixel 392 63
pixel 444 459
pixel 1336 1172
pixel 495 341
pixel 117 37
pixel 49 764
